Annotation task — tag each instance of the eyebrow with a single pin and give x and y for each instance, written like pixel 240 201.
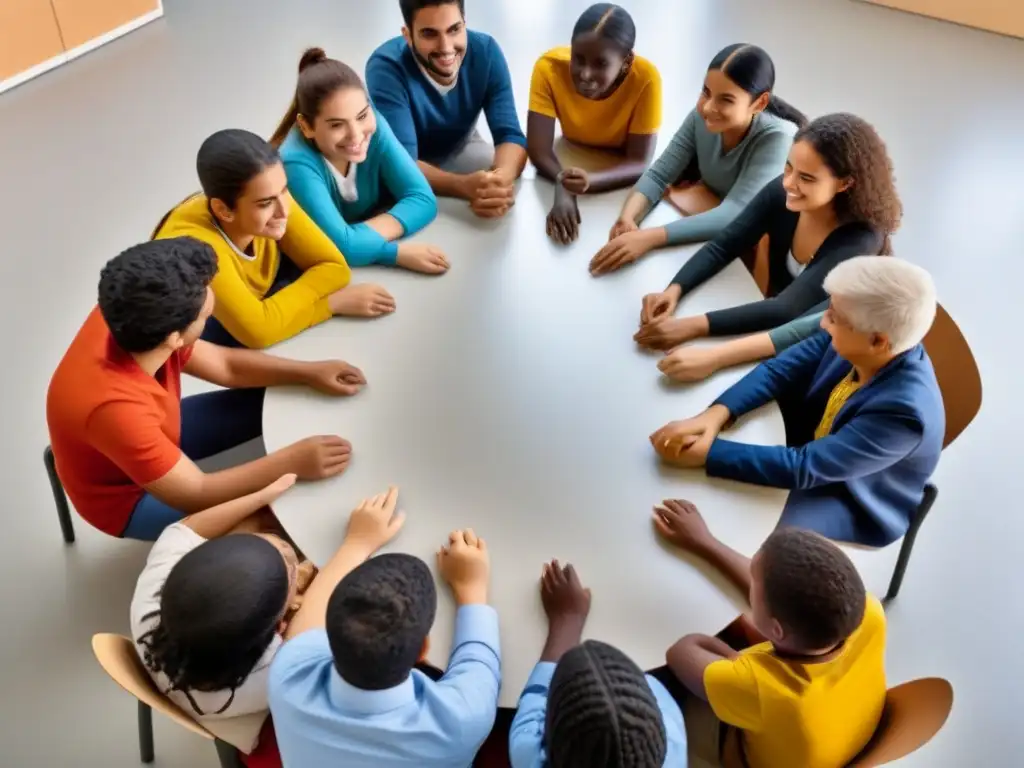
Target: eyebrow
pixel 272 197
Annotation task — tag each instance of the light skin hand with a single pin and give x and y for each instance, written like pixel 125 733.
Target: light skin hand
pixel 335 377
pixel 423 258
pixel 657 306
pixel 675 440
pixel 319 457
pixel 690 364
pixel 627 248
pixel 681 524
pixel 375 522
pixel 670 332
pixel 361 300
pixel 465 565
pixel 621 227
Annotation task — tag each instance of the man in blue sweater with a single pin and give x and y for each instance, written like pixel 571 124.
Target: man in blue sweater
pixel 864 415
pixel 431 84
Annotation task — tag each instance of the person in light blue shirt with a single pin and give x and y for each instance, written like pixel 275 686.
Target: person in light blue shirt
pixel 588 705
pixel 431 84
pixel 347 170
pixel 345 691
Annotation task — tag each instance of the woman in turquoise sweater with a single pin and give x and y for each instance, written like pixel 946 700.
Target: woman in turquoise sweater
pixel 347 170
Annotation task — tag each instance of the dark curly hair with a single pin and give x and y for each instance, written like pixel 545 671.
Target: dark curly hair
pixel 219 611
pixel 852 148
pixel 811 588
pixel 378 619
pixel 602 712
pixel 155 289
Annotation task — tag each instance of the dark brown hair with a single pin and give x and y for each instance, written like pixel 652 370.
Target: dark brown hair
pixel 852 148
pixel 319 77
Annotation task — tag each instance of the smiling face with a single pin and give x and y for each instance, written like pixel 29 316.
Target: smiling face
pixel 344 127
pixel 438 39
pixel 262 208
pixel 809 182
pixel 725 106
pixel 597 65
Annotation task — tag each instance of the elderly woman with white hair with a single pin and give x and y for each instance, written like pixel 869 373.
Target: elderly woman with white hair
pixel 864 415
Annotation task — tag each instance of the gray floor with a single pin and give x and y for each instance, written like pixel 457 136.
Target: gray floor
pixel 95 152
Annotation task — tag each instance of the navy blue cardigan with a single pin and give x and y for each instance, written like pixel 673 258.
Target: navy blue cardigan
pixel 863 480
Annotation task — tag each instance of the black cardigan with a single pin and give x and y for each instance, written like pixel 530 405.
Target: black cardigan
pixel 789 298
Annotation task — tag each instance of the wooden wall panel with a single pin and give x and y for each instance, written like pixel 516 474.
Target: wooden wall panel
pixel 28 35
pixel 1003 16
pixel 84 20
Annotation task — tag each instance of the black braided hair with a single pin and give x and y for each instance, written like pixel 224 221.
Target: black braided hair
pixel 602 713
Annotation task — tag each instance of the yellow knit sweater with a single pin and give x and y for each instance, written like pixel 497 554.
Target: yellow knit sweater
pixel 241 284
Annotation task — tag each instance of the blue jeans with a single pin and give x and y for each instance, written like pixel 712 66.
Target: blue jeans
pixel 211 423
pixel 215 333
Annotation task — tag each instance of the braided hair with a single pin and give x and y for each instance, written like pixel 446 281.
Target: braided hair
pixel 219 611
pixel 602 713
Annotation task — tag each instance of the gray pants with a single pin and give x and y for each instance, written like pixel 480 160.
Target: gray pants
pixel 475 154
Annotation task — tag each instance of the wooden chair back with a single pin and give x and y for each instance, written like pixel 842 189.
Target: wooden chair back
pixel 116 654
pixel 957 373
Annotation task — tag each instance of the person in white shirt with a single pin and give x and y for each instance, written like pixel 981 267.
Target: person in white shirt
pixel 210 608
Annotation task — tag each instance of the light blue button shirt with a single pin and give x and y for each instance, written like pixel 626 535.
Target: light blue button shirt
pixel 321 720
pixel 526 741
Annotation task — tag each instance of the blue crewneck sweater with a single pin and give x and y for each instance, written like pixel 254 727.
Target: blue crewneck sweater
pixel 432 125
pixel 387 177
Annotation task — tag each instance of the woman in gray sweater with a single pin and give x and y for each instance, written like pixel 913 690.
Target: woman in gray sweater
pixel 733 143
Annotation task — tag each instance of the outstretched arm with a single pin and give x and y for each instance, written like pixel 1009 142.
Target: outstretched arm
pixel 639 151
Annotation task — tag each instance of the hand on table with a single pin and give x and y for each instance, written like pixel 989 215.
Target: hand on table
pixel 670 332
pixel 689 364
pixel 657 306
pixel 420 257
pixel 621 227
pixel 335 377
pixel 686 443
pixel 465 565
pixel 490 193
pixel 320 457
pixel 361 300
pixel 574 180
pixel 563 596
pixel 374 522
pixel 679 523
pixel 563 222
pixel 276 489
pixel 621 251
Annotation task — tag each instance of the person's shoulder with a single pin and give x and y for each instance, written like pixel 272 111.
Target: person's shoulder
pixel 295 149
pixel 645 70
pixel 391 50
pixel 192 218
pixel 769 125
pixel 300 656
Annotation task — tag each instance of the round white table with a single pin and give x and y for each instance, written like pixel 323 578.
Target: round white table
pixel 508 396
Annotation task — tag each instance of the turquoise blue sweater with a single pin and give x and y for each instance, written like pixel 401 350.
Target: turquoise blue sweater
pixel 388 176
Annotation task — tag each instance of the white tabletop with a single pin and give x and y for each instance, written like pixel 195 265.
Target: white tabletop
pixel 508 396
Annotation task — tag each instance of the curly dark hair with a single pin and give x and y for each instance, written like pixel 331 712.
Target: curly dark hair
pixel 219 611
pixel 155 289
pixel 811 588
pixel 378 618
pixel 852 148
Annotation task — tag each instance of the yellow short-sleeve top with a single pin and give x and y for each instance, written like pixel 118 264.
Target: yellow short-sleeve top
pixel 634 107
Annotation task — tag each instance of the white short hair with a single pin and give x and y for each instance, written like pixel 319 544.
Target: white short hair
pixel 883 294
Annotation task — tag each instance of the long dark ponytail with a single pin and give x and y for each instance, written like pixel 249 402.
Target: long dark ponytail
pixel 753 70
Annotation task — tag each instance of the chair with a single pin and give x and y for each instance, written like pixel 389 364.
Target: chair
pixel 914 712
pixel 116 654
pixel 60 499
pixel 960 385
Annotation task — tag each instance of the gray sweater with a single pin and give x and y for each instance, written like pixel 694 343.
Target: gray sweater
pixel 735 176
pixel 795 331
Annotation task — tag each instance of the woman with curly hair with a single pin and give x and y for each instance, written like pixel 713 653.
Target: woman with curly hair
pixel 835 200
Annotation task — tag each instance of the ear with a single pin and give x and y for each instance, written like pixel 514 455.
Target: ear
pixel 175 341
pixel 778 634
pixel 845 185
pixel 760 104
pixel 407 35
pixel 425 650
pixel 304 126
pixel 221 210
pixel 627 63
pixel 880 342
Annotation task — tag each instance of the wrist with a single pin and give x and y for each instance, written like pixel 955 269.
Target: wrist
pixel 675 291
pixel 656 238
pixel 470 594
pixel 719 415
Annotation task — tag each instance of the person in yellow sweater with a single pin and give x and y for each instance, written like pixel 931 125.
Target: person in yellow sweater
pixel 810 693
pixel 604 97
pixel 277 273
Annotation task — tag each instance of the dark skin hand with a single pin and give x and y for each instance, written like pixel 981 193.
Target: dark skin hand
pixel 567 605
pixel 563 222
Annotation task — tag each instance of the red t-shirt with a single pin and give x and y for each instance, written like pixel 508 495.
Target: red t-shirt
pixel 113 427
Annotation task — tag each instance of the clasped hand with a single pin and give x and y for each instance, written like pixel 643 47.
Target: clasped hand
pixel 490 193
pixel 686 443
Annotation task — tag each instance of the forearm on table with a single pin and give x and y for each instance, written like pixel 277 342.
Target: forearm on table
pixel 313 612
pixel 636 207
pixel 563 636
pixel 221 519
pixel 730 563
pixel 510 160
pixel 387 226
pixel 249 368
pixel 190 490
pixel 546 162
pixel 745 349
pixel 619 176
pixel 443 183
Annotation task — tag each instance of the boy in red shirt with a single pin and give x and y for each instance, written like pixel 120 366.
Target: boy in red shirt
pixel 123 439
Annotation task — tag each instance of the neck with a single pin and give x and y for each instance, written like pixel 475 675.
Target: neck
pixel 824 217
pixel 801 654
pixel 867 369
pixel 341 165
pixel 732 138
pixel 240 239
pixel 151 361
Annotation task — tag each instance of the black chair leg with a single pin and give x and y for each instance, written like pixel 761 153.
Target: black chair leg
pixel 60 499
pixel 227 755
pixel 145 733
pixel 930 494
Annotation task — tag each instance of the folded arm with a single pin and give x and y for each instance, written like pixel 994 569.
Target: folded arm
pixel 416 205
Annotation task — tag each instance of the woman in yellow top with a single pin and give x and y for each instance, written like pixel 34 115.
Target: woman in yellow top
pixel 277 273
pixel 605 97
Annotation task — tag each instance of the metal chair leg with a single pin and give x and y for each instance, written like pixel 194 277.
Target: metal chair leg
pixel 145 733
pixel 930 494
pixel 60 499
pixel 227 755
